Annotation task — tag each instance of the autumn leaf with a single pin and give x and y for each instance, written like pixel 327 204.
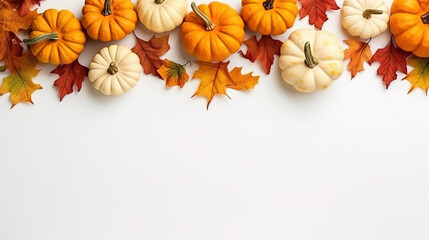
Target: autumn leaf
pixel 392 59
pixel 239 81
pixel 71 75
pixel 23 6
pixel 214 79
pixel 23 69
pixel 173 73
pixel 358 52
pixel 150 52
pixel 263 50
pixel 316 10
pixel 419 77
pixel 10 21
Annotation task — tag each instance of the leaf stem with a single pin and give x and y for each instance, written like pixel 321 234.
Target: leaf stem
pixel 48 36
pixel 310 60
pixel 369 12
pixel 209 24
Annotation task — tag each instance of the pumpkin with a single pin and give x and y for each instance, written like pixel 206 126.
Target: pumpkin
pixel 311 59
pixel 115 70
pixel 409 23
pixel 161 15
pixel 108 20
pixel 212 32
pixel 364 18
pixel 269 17
pixel 56 37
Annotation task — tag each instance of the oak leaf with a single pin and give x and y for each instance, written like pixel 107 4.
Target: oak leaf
pixel 392 59
pixel 22 70
pixel 316 10
pixel 23 6
pixel 358 52
pixel 72 74
pixel 150 52
pixel 173 73
pixel 214 79
pixel 419 77
pixel 239 81
pixel 10 21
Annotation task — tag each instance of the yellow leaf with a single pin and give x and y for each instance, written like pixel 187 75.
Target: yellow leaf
pixel 242 82
pixel 214 78
pixel 358 52
pixel 173 73
pixel 419 77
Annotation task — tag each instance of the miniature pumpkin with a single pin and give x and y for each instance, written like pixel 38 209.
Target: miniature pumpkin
pixel 409 23
pixel 311 59
pixel 56 37
pixel 269 17
pixel 364 18
pixel 162 15
pixel 115 70
pixel 108 20
pixel 212 32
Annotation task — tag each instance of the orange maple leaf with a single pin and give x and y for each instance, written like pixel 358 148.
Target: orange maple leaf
pixel 419 77
pixel 150 52
pixel 10 21
pixel 239 81
pixel 23 6
pixel 173 73
pixel 23 69
pixel 214 79
pixel 358 52
pixel 316 10
pixel 70 75
pixel 263 50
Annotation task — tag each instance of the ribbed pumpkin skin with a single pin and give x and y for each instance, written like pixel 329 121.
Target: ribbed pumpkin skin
pixel 162 17
pixel 116 26
pixel 269 22
pixel 218 44
pixel 411 34
pixel 71 39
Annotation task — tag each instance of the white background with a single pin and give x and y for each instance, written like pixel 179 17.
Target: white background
pixel 349 163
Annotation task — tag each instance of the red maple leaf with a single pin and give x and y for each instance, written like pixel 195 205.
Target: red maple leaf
pixel 316 10
pixel 263 50
pixel 23 6
pixel 70 75
pixel 392 59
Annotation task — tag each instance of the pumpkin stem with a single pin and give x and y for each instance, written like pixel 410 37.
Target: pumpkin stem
pixel 3 68
pixel 268 5
pixel 107 10
pixel 209 24
pixel 310 60
pixel 48 36
pixel 159 1
pixel 113 69
pixel 369 12
pixel 425 18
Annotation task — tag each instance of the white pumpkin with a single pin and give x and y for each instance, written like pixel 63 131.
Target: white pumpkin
pixel 311 59
pixel 161 15
pixel 115 70
pixel 365 18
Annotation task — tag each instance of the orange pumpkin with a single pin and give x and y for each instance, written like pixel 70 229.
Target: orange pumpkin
pixel 108 20
pixel 212 32
pixel 409 23
pixel 56 37
pixel 269 17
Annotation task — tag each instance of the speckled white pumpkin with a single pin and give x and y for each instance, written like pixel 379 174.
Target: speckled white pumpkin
pixel 365 18
pixel 311 59
pixel 161 15
pixel 115 70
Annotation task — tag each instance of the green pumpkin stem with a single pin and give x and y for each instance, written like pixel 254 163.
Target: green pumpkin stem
pixel 3 68
pixel 113 69
pixel 269 4
pixel 425 18
pixel 48 36
pixel 310 60
pixel 209 24
pixel 107 10
pixel 369 12
pixel 159 1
